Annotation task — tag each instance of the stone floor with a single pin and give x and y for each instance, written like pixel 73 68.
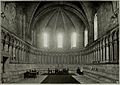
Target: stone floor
pixel 84 80
pixel 44 78
pixel 37 80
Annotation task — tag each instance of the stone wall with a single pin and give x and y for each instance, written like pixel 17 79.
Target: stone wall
pixel 13 18
pixel 106 73
pixel 16 18
pixel 104 14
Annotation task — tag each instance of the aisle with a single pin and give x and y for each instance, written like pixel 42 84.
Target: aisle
pixel 84 80
pixel 37 80
pixel 59 79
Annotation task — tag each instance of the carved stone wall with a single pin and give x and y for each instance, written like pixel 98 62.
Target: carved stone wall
pixel 106 17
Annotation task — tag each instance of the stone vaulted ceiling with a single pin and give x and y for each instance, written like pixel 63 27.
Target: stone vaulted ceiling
pixel 58 17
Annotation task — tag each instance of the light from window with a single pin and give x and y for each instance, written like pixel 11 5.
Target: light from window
pixel 95 27
pixel 73 39
pixel 45 40
pixel 85 37
pixel 60 40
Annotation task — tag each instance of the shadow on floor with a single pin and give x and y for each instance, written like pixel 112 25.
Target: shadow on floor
pixel 60 79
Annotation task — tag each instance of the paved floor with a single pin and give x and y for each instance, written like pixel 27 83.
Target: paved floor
pixel 70 79
pixel 37 80
pixel 84 80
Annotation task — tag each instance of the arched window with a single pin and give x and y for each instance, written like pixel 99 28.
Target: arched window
pixel 45 40
pixel 85 37
pixel 73 40
pixel 60 40
pixel 95 27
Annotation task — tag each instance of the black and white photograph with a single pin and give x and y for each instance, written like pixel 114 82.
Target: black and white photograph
pixel 59 42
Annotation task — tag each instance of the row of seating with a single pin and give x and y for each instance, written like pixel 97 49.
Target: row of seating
pixel 31 74
pixel 58 71
pixel 79 71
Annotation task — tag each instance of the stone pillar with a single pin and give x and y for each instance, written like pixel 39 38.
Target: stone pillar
pixel 11 49
pixel 107 49
pixel 96 56
pixel 116 50
pixel 2 41
pixel 117 33
pixel 14 51
pixel 21 55
pixel 81 58
pixel 87 58
pixel 39 58
pixel 17 51
pixel 91 56
pixel 101 50
pixel 10 52
pixel 24 55
pixel 68 59
pixel 6 44
pixel 17 54
pixel 98 49
pixel 43 58
pixel 111 48
pixel 62 61
pixel 104 51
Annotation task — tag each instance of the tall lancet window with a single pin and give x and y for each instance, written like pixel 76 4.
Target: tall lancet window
pixel 95 27
pixel 85 37
pixel 60 40
pixel 73 39
pixel 45 40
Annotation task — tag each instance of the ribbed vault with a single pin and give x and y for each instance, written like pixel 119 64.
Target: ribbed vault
pixel 59 17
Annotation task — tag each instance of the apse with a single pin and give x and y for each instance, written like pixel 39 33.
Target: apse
pixel 59 19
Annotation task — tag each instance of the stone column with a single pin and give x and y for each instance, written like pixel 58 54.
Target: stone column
pixel 115 44
pixel 23 54
pixel 117 33
pixel 14 53
pixel 107 49
pixel 101 50
pixel 67 58
pixel 111 48
pixel 39 55
pixel 96 52
pixel 6 44
pixel 43 58
pixel 87 58
pixel 91 56
pixel 17 54
pixel 11 49
pixel 17 51
pixel 104 51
